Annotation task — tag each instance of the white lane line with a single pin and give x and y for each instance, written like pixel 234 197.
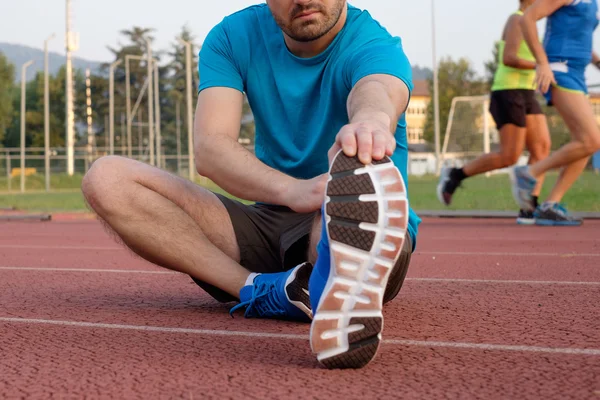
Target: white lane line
pixel 486 238
pixel 449 253
pixel 46 247
pixel 505 281
pixel 209 332
pixel 483 253
pixel 265 335
pixel 432 280
pixel 496 347
pixel 113 271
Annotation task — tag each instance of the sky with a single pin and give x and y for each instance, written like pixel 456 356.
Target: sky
pixel 464 28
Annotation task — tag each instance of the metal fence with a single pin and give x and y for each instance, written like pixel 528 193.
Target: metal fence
pixel 20 174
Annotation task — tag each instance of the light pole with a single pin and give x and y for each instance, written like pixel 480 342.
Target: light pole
pixel 190 121
pixel 47 114
pixel 436 97
pixel 178 133
pixel 150 103
pixel 23 100
pixel 111 105
pixel 128 104
pixel 72 43
pixel 157 110
pixel 88 112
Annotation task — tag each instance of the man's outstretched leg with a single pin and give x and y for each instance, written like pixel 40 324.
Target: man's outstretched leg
pixel 364 230
pixel 175 224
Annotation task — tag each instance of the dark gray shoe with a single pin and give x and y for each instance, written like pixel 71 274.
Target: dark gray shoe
pixel 555 215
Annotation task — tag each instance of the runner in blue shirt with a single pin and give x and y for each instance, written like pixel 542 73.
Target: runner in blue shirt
pixel 561 62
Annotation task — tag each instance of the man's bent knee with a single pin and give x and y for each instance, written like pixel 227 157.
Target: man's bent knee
pixel 103 180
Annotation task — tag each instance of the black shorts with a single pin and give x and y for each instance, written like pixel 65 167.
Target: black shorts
pixel 513 106
pixel 275 239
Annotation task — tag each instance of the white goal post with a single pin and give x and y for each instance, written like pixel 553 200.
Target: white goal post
pixel 470 131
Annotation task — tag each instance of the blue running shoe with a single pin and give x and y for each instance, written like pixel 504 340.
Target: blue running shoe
pixel 282 295
pixel 555 214
pixel 365 218
pixel 522 186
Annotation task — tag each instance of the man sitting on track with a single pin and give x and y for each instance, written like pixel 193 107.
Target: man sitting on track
pixel 518 116
pixel 319 76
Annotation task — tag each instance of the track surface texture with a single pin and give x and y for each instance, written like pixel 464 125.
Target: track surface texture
pixel 489 310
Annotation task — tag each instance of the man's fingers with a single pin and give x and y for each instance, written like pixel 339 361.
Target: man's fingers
pixel 367 140
pixel 347 140
pixel 391 145
pixel 364 137
pixel 380 144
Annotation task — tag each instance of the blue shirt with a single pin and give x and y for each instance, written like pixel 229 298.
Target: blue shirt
pixel 569 31
pixel 299 104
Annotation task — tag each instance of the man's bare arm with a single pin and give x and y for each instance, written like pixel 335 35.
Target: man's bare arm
pixel 374 107
pixel 221 158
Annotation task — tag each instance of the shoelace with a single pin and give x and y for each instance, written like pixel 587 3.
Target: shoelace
pixel 264 302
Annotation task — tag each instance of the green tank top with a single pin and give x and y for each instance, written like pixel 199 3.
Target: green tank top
pixel 508 78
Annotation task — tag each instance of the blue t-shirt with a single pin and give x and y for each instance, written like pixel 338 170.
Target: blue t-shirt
pixel 569 31
pixel 299 104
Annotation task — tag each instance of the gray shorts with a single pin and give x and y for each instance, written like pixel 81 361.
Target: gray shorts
pixel 275 239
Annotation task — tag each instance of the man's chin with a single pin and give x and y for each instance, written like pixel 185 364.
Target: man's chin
pixel 305 36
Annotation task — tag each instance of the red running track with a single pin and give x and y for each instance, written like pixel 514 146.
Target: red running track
pixel 489 310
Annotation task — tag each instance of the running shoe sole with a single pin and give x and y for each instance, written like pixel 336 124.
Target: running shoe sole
pixel 550 222
pixel 525 221
pixel 366 211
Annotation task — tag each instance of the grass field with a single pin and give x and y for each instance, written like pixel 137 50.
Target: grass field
pixel 478 193
pixel 494 193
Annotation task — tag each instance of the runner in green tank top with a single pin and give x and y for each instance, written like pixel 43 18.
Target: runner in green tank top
pixel 518 115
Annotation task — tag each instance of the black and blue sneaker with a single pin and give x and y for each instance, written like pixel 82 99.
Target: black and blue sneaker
pixel 447 185
pixel 282 295
pixel 365 217
pixel 555 214
pixel 525 218
pixel 522 186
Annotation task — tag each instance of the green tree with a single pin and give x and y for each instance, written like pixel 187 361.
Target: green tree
pixel 7 78
pixel 135 44
pixel 456 78
pixel 34 117
pixel 176 86
pixel 491 66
